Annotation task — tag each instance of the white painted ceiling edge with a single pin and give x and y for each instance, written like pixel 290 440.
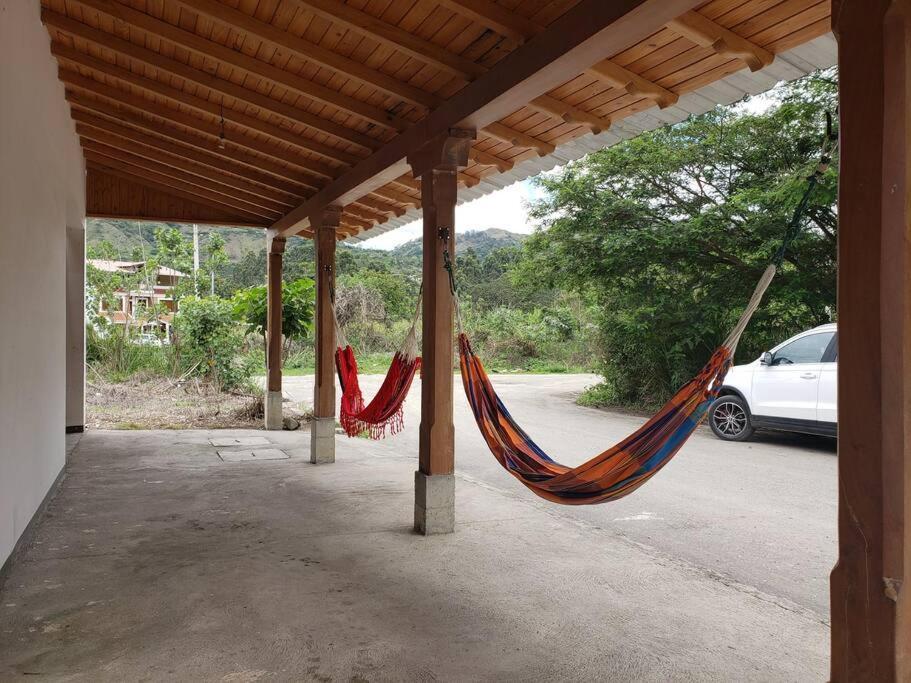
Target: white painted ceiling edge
pixel 819 53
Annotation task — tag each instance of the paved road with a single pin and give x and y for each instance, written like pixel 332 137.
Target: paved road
pixel 759 515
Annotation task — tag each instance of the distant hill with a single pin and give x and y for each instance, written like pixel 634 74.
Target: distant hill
pixel 130 238
pixel 127 236
pixel 482 241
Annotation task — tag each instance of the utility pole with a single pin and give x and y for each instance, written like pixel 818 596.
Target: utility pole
pixel 196 258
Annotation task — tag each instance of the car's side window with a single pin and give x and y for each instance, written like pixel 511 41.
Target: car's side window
pixel 809 349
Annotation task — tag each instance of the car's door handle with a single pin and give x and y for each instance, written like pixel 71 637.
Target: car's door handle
pixel 808 375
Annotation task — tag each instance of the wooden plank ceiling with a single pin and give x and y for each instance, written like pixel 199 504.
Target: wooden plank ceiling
pixel 240 111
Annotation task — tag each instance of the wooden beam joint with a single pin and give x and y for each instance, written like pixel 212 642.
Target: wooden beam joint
pixel 705 32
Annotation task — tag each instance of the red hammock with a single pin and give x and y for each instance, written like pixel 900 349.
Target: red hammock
pixel 385 410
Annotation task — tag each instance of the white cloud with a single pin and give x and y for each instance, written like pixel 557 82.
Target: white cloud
pixel 506 209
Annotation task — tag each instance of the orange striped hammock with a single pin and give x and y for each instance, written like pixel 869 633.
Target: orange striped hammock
pixel 621 469
pixel 385 411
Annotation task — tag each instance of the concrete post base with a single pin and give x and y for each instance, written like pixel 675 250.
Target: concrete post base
pixel 322 440
pixel 434 503
pixel 273 406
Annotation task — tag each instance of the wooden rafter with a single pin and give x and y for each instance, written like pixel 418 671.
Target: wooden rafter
pixel 621 77
pixel 393 36
pixel 488 159
pixel 705 32
pixel 165 184
pixel 99 111
pixel 137 53
pixel 211 128
pixel 264 182
pixel 367 77
pixel 227 195
pixel 434 55
pixel 514 26
pixel 254 123
pixel 256 194
pixel 584 35
pixel 383 207
pixel 312 52
pixel 387 192
pixel 496 18
pixel 243 62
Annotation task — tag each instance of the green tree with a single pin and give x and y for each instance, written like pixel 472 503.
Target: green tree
pixel 669 232
pixel 250 306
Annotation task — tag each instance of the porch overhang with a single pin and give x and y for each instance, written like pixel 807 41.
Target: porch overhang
pixel 195 111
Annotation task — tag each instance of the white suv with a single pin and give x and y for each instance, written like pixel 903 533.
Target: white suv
pixel 791 388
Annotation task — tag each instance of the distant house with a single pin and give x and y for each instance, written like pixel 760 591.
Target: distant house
pixel 141 306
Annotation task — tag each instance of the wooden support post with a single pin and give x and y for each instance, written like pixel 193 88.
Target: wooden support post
pixel 273 401
pixel 870 584
pixel 322 433
pixel 437 164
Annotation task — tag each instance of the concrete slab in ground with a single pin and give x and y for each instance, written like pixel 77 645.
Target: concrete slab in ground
pixel 252 454
pixel 223 441
pixel 156 561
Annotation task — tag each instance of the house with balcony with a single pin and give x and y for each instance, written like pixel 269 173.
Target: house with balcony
pixel 148 304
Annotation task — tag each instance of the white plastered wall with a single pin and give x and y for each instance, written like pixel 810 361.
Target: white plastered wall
pixel 42 192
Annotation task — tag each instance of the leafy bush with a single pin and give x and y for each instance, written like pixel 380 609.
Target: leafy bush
pixel 213 341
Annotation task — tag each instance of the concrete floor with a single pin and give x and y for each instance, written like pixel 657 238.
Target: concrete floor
pixel 761 514
pixel 157 560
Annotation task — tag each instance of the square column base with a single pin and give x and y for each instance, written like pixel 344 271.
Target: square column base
pixel 434 503
pixel 273 408
pixel 322 440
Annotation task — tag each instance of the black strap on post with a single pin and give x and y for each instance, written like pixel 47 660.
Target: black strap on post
pixel 830 141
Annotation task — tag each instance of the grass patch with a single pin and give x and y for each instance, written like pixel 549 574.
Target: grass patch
pixel 378 364
pixel 129 425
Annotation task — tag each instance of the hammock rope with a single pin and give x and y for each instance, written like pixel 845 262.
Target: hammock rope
pixel 385 411
pixel 623 468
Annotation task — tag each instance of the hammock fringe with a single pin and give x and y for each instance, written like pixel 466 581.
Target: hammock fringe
pixel 384 414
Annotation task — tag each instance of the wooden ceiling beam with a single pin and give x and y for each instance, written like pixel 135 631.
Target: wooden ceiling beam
pixel 570 114
pixel 381 206
pixel 434 55
pixel 227 195
pixel 264 181
pixel 584 35
pixel 512 25
pixel 361 214
pixel 488 159
pixel 518 139
pixel 254 123
pixel 311 52
pixel 495 17
pixel 705 32
pixel 99 111
pixel 137 53
pixel 235 19
pixel 113 167
pixel 142 104
pixel 392 36
pixel 388 193
pixel 255 193
pixel 352 221
pixel 620 77
pixel 235 59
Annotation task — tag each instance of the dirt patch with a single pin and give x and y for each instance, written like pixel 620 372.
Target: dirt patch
pixel 161 403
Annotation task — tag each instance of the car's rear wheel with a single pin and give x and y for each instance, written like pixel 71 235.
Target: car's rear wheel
pixel 730 419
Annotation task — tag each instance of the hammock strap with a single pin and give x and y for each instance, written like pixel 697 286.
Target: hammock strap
pixel 447 265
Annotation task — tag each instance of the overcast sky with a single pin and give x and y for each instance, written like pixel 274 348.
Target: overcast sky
pixel 504 209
